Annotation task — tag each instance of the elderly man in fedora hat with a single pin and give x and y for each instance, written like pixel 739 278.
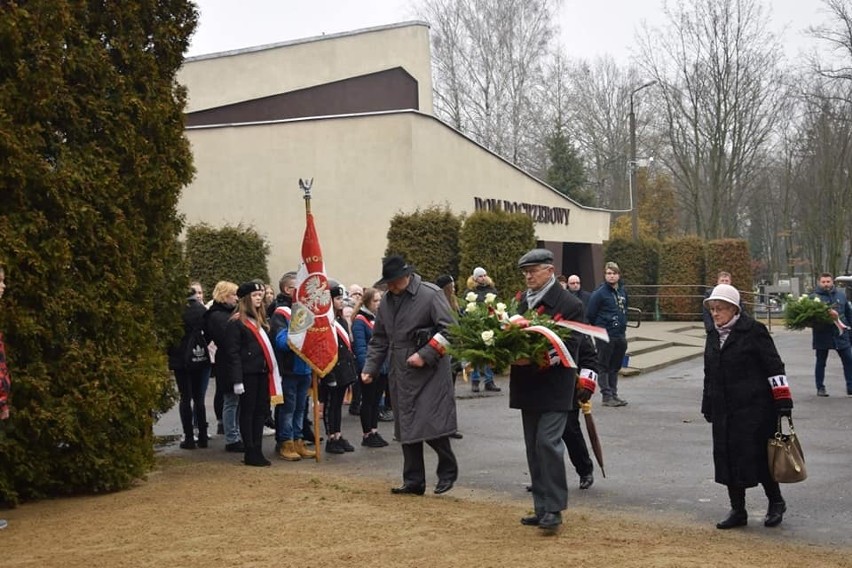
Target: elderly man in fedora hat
pixel 408 333
pixel 546 395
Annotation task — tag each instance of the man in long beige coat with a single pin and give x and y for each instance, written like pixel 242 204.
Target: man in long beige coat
pixel 408 332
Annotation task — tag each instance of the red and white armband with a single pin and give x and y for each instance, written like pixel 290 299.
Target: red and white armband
pixel 780 388
pixel 587 379
pixel 439 343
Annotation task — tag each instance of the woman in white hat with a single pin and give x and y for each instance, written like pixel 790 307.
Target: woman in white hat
pixel 745 391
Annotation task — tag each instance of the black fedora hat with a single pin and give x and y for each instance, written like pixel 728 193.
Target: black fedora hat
pixel 394 267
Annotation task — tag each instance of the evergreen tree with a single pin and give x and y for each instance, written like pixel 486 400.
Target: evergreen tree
pixel 92 162
pixel 566 172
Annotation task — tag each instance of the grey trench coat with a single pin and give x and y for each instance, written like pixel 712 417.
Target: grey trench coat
pixel 423 399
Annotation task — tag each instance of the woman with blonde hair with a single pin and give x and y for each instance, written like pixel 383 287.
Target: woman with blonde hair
pixel 225 402
pixel 250 367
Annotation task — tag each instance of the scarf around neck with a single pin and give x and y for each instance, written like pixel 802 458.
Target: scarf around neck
pixel 725 330
pixel 534 297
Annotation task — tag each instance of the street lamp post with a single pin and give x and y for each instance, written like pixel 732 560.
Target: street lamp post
pixel 634 205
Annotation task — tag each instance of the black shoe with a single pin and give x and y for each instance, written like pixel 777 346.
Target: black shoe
pixel 529 488
pixel 220 429
pixel 444 486
pixel 775 514
pixel 373 440
pixel 457 435
pixel 492 387
pixel 550 521
pixel 531 521
pixel 355 409
pixel 269 422
pixel 188 444
pixel 255 458
pixel 408 490
pixel 587 480
pixel 333 447
pixel 202 442
pixel 474 387
pixel 344 443
pixel 736 518
pixel 237 447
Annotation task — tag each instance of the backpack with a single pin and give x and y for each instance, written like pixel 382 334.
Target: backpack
pixel 195 355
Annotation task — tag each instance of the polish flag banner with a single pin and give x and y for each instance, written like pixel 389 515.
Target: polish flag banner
pixel 312 335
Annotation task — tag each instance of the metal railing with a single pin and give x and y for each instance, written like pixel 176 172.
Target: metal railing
pixel 647 301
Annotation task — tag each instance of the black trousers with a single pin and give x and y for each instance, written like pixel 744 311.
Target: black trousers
pixel 371 396
pixel 332 410
pixel 191 403
pixel 414 469
pixel 219 397
pixel 254 407
pixel 771 488
pixel 578 452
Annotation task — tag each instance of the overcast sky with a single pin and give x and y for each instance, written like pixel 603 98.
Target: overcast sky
pixel 589 27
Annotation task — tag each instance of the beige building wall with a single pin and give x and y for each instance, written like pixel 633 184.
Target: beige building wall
pixel 225 78
pixel 366 168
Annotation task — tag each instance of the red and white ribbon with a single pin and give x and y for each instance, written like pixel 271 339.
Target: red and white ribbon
pixel 564 355
pixel 586 329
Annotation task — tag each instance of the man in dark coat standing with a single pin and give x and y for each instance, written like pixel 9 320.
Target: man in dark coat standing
pixel 546 395
pixel 828 337
pixel 575 288
pixel 408 333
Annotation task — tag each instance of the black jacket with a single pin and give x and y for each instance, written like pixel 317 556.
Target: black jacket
pixel 193 319
pixel 552 389
pixel 344 372
pixel 243 353
pixel 738 400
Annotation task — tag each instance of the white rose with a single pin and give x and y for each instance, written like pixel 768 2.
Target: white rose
pixel 488 337
pixel 470 308
pixel 500 308
pixel 489 298
pixel 471 297
pixel 817 300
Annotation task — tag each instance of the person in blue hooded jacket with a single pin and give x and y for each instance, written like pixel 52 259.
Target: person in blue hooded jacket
pixel 832 336
pixel 607 308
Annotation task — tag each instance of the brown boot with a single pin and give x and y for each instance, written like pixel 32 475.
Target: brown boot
pixel 303 451
pixel 288 451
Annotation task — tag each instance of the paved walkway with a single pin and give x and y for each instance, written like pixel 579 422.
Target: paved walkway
pixel 657 451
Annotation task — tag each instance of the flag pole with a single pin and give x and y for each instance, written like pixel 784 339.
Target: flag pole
pixel 315 397
pixel 305 186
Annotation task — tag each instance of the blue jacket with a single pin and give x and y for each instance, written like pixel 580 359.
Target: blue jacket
pixel 826 336
pixel 361 334
pixel 288 362
pixel 608 308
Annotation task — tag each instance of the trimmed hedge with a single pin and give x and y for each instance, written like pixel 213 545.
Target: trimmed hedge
pixel 682 265
pixel 496 240
pixel 428 239
pixel 731 255
pixel 93 161
pixel 234 253
pixel 638 261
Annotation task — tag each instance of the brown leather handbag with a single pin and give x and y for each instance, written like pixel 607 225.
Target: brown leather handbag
pixel 786 460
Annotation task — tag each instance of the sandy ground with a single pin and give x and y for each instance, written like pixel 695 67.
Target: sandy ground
pixel 211 514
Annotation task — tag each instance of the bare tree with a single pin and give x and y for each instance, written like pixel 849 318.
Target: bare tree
pixel 598 107
pixel 717 68
pixel 489 58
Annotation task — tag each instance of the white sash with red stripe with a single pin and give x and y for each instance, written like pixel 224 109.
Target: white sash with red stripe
pixel 365 319
pixel 274 377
